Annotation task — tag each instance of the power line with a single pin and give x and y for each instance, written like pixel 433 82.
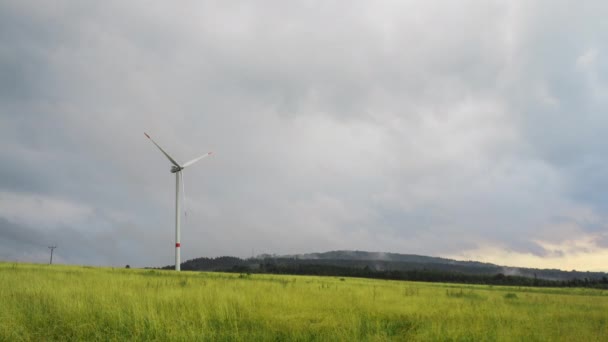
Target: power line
pixel 52 248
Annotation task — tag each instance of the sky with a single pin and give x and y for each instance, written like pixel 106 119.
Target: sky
pixel 471 130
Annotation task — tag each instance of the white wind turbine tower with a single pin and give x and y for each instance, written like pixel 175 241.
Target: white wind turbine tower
pixel 177 169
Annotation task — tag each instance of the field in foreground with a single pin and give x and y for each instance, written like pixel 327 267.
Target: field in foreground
pixel 42 302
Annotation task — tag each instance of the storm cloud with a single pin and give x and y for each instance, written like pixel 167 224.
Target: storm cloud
pixel 467 129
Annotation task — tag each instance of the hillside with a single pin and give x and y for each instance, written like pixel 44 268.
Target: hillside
pixel 395 261
pixel 378 265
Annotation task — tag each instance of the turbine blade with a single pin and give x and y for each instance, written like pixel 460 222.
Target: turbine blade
pixel 163 151
pixel 196 159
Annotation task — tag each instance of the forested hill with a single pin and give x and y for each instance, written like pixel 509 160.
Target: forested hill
pixel 377 264
pixel 407 262
pixel 381 256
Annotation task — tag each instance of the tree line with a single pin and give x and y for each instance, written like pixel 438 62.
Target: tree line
pixel 342 268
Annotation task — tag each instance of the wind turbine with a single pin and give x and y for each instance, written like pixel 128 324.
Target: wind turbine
pixel 177 169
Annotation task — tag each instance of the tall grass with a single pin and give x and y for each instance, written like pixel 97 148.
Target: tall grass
pixel 42 302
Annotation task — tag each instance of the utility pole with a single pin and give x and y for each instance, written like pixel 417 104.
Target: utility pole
pixel 52 248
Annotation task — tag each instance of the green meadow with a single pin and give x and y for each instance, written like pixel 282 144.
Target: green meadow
pixel 45 303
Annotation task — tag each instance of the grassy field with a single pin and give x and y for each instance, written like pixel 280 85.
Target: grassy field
pixel 42 302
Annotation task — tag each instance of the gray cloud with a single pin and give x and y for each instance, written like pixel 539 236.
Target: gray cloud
pixel 402 127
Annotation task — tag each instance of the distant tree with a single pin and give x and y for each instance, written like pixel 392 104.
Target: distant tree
pixel 499 277
pixel 128 266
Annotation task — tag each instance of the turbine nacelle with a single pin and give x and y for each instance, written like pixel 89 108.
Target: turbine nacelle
pixel 176 167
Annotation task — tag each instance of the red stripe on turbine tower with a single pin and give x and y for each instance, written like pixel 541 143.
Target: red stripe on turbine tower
pixel 178 244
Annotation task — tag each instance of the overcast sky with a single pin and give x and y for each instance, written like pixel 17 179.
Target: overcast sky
pixel 463 129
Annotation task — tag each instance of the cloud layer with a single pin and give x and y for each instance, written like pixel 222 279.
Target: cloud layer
pixel 461 130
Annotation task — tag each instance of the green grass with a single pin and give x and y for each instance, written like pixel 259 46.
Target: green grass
pixel 42 302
